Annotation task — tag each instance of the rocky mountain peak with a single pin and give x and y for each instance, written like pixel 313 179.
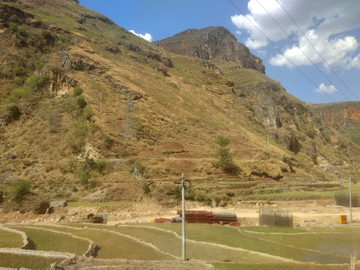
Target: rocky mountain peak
pixel 210 43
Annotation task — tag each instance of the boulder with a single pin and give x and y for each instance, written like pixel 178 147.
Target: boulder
pixel 57 204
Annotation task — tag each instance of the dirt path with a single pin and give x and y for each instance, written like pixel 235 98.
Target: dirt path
pixel 306 214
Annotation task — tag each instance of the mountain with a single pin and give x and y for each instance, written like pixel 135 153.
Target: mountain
pixel 342 116
pixel 210 43
pixel 89 109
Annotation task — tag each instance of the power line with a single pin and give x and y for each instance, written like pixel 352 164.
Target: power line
pixel 316 50
pixel 302 51
pixel 281 51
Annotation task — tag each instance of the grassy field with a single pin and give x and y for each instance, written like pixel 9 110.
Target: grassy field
pixel 219 238
pixel 52 241
pixel 116 246
pixel 27 261
pixel 278 266
pixel 232 237
pixel 224 247
pixel 10 239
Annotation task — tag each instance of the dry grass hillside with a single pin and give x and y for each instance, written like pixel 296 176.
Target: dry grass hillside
pixel 67 126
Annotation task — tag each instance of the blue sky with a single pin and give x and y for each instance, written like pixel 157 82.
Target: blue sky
pixel 330 26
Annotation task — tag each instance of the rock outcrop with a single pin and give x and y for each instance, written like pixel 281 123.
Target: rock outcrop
pixel 338 113
pixel 210 43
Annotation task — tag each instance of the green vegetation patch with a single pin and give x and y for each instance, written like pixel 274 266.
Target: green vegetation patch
pixel 10 240
pixel 52 241
pixel 341 244
pixel 116 246
pixel 267 229
pixel 278 266
pixel 232 237
pixel 27 261
pixel 169 243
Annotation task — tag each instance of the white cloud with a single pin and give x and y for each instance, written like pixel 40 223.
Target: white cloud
pixel 255 43
pixel 335 51
pixel 261 52
pixel 147 36
pixel 324 89
pixel 323 21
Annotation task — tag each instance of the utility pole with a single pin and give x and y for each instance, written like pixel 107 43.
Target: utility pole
pixel 183 219
pixel 350 200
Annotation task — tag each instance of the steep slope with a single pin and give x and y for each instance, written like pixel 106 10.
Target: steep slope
pixel 342 116
pixel 68 126
pixel 210 43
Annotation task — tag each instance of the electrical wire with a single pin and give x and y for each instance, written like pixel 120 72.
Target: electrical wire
pixel 317 50
pixel 281 51
pixel 302 51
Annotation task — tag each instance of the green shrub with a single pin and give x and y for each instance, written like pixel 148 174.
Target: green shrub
pixel 80 130
pixel 46 34
pixel 14 112
pixel 90 163
pixel 311 133
pixel 20 188
pixel 177 193
pixel 92 127
pixel 286 160
pixel 4 22
pixel 140 168
pixel 19 70
pixel 146 189
pixel 222 141
pixel 19 81
pixel 80 101
pixel 13 27
pixel 77 91
pixel 107 141
pixel 125 153
pixel 84 178
pixel 75 146
pixel 42 81
pixel 87 112
pixel 101 164
pixel 14 18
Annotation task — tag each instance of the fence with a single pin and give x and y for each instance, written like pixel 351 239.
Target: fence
pixel 276 218
pixel 344 200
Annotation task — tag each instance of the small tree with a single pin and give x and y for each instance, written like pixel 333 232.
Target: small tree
pixel 80 101
pixel 20 188
pixel 146 189
pixel 77 91
pixel 223 153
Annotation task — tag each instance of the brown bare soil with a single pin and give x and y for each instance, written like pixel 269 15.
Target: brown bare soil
pixel 307 214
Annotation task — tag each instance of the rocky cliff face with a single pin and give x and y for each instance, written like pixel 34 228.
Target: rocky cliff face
pixel 338 113
pixel 343 116
pixel 210 43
